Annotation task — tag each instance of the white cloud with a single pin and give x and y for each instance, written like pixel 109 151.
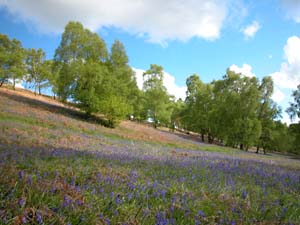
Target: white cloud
pixel 245 70
pixel 168 81
pixel 278 96
pixel 292 9
pixel 139 77
pixel 251 29
pixel 18 83
pixel 155 20
pixel 289 74
pixel 286 119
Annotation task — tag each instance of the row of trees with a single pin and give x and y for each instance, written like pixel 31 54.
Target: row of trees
pixel 236 110
pixel 18 63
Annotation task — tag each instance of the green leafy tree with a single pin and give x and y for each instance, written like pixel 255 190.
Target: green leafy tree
pixel 115 109
pixel 38 69
pixel 177 114
pixel 89 85
pixel 52 77
pixel 282 138
pixel 294 129
pixel 157 100
pixel 86 74
pixel 193 84
pixel 294 134
pixel 234 112
pixel 294 109
pixel 17 69
pixel 12 57
pixel 267 112
pixel 123 76
pixel 198 106
pixel 203 109
pixel 77 47
pixel 4 58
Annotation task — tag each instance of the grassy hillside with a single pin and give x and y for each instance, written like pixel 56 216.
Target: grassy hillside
pixel 57 167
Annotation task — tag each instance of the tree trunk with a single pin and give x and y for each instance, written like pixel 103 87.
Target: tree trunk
pixel 14 84
pixel 257 149
pixel 202 137
pixel 242 146
pixel 2 82
pixel 210 139
pixel 39 89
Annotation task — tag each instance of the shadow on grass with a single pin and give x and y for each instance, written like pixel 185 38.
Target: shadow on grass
pixel 61 110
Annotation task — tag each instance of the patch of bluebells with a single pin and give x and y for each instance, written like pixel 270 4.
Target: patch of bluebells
pixel 159 187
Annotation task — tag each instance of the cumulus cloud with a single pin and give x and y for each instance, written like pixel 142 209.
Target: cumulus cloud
pixel 289 74
pixel 292 9
pixel 251 29
pixel 155 20
pixel 18 83
pixel 245 70
pixel 278 96
pixel 168 81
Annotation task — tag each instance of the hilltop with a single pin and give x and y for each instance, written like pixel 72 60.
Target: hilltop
pixel 59 167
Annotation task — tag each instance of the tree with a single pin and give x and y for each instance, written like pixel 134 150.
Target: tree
pixel 123 76
pixel 17 68
pixel 4 58
pixel 11 60
pixel 177 114
pixel 89 85
pixel 294 134
pixel 52 77
pixel 198 106
pixel 194 84
pixel 203 109
pixel 294 109
pixel 267 112
pixel 157 100
pixel 38 69
pixel 282 138
pixel 98 83
pixel 234 111
pixel 77 47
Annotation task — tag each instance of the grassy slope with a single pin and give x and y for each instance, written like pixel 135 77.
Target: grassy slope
pixel 58 168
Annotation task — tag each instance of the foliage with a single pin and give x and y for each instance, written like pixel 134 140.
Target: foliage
pixel 78 46
pixel 124 83
pixel 157 100
pixel 12 57
pixel 294 109
pixel 98 83
pixel 39 69
pixel 267 112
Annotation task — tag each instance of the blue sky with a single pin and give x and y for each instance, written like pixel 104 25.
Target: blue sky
pixel 256 38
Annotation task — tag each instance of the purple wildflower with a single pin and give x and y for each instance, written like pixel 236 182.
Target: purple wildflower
pixel 201 213
pixel 22 202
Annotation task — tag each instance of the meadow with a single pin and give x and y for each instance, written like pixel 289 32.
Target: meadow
pixel 59 168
